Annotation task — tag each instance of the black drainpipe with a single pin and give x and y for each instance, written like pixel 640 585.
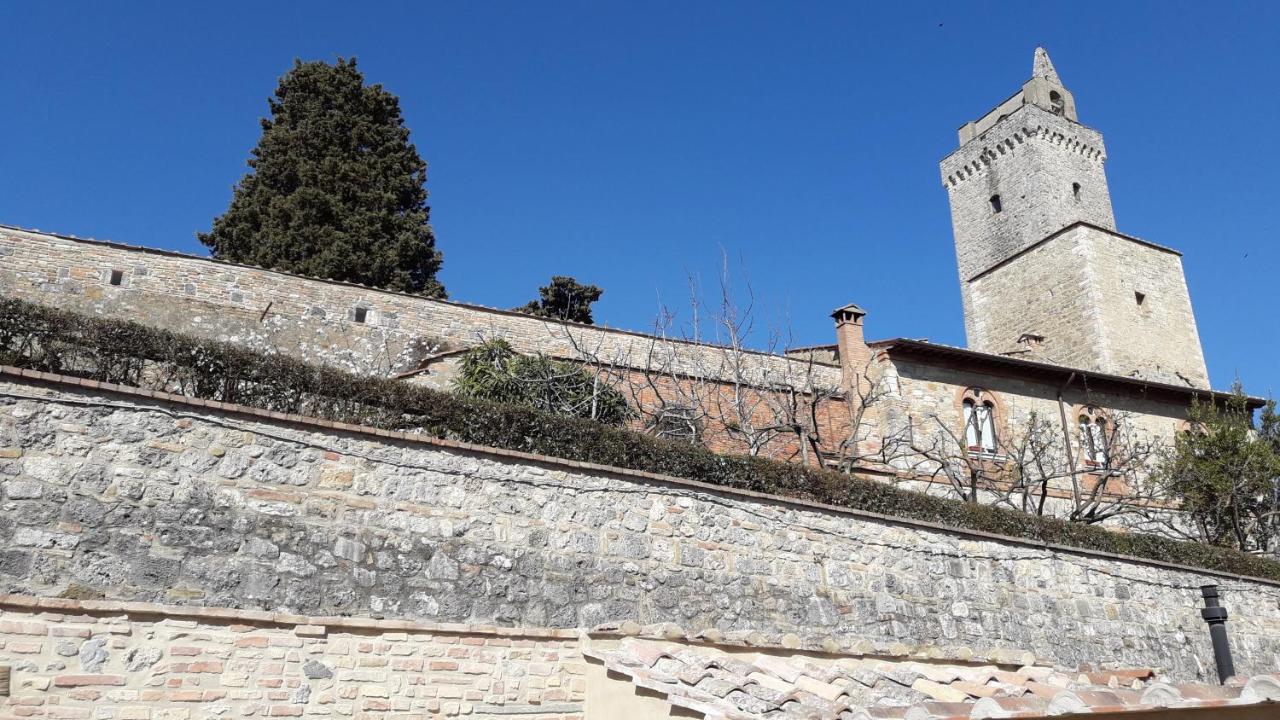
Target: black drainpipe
pixel 1216 616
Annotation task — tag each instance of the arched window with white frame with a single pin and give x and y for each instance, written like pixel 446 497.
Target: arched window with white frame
pixel 978 409
pixel 1095 436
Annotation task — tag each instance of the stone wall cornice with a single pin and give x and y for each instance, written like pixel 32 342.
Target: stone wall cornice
pixel 64 382
pixel 304 624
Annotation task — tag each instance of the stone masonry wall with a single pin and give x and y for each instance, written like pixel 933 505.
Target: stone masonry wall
pixel 1078 289
pixel 1156 338
pixel 137 661
pixel 1044 292
pixel 118 495
pixel 315 319
pixel 1031 160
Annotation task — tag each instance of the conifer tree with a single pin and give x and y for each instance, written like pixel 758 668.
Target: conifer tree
pixel 336 190
pixel 564 299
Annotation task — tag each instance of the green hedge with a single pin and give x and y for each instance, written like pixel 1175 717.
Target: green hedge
pixel 42 338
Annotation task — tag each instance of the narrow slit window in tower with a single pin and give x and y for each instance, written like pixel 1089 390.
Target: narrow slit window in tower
pixel 1075 191
pixel 996 206
pixel 1140 297
pixel 117 277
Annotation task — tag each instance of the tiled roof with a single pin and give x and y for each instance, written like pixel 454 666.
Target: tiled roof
pixel 724 686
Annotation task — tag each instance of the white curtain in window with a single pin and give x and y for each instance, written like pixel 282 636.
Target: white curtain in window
pixel 987 423
pixel 1100 441
pixel 970 425
pixel 1086 438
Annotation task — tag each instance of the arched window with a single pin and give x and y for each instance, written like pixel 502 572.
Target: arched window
pixel 978 408
pixel 1095 436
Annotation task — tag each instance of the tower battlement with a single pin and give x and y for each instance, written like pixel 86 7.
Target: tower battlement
pixel 962 165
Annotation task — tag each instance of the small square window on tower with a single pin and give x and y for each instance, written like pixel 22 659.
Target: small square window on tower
pixel 1139 297
pixel 996 205
pixel 361 315
pixel 117 277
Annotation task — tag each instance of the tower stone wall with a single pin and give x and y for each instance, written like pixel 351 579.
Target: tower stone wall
pixel 1038 252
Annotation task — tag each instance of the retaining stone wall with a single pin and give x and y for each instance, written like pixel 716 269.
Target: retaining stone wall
pixel 121 496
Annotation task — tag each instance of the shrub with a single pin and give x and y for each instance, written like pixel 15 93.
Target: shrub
pixel 493 370
pixel 37 337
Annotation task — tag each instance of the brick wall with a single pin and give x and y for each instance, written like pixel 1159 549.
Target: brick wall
pixel 141 661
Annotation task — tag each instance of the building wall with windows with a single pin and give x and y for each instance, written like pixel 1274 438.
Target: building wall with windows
pixel 1037 427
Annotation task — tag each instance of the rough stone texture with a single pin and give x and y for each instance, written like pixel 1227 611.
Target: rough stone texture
pixel 1030 159
pixel 311 318
pixel 314 320
pixel 1079 290
pixel 924 391
pixel 1020 274
pixel 182 505
pixel 179 668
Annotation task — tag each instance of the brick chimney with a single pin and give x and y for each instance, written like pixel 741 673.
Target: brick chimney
pixel 855 356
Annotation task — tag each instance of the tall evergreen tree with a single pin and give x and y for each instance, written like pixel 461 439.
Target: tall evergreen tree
pixel 564 299
pixel 336 189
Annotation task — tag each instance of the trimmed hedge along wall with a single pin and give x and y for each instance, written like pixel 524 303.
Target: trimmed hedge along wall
pixel 41 338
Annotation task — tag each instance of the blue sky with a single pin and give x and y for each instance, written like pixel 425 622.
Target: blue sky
pixel 628 143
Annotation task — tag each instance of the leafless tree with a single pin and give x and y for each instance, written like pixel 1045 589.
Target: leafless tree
pixel 1036 467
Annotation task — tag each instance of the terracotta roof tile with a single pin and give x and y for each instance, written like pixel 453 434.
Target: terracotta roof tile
pixel 766 686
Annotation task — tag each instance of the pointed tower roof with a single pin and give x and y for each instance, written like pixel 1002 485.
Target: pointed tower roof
pixel 1043 67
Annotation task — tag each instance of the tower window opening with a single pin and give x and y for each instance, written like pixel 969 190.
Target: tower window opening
pixel 1075 191
pixel 1055 102
pixel 361 315
pixel 996 205
pixel 117 277
pixel 1139 297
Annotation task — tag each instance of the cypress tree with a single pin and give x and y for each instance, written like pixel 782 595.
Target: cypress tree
pixel 335 190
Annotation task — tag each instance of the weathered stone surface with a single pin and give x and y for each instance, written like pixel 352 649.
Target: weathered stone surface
pixel 141 658
pixel 316 670
pixel 445 535
pixel 93 654
pixel 1100 300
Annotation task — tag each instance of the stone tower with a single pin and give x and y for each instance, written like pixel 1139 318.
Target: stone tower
pixel 1043 272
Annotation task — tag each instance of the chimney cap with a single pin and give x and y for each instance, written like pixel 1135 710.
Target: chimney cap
pixel 850 309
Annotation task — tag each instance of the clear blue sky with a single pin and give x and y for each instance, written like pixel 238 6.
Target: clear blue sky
pixel 626 143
